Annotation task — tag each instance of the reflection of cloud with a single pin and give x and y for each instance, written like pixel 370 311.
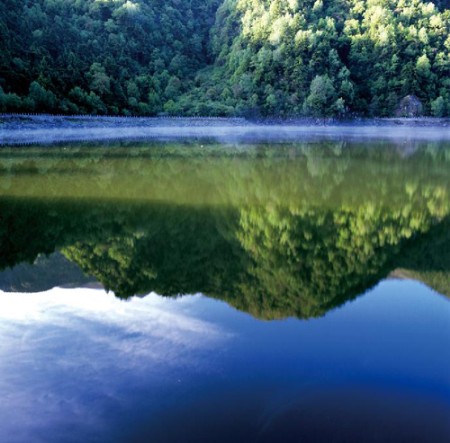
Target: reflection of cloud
pixel 66 353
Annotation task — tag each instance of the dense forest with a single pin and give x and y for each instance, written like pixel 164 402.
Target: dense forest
pixel 91 56
pixel 224 57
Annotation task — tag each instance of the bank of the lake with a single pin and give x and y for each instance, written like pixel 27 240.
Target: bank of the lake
pixel 40 128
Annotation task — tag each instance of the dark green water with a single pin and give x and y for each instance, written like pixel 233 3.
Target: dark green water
pixel 336 256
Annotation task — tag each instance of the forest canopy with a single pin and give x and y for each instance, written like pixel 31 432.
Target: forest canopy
pixel 224 57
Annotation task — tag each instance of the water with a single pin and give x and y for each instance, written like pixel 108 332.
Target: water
pixel 194 290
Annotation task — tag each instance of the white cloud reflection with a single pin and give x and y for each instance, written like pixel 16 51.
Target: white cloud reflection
pixel 67 355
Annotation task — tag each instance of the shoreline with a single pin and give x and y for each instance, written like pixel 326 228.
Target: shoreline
pixel 17 129
pixel 11 119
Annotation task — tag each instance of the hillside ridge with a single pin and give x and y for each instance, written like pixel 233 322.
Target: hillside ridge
pixel 252 58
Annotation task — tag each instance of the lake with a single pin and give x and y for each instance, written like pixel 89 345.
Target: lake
pixel 214 289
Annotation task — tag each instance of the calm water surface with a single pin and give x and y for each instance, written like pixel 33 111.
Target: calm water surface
pixel 199 291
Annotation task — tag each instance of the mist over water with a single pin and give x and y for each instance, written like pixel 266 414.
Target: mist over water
pixel 56 129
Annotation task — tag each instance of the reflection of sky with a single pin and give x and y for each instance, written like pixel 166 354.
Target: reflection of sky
pixel 80 365
pixel 65 354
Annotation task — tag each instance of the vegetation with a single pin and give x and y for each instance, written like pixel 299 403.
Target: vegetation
pixel 100 56
pixel 228 57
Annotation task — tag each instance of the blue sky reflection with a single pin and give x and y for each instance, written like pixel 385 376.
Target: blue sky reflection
pixel 67 357
pixel 80 365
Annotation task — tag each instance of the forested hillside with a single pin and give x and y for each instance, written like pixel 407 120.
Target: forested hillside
pixel 100 56
pixel 224 57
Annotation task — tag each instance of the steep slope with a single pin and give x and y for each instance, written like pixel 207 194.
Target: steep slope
pixel 322 57
pixel 100 56
pixel 225 57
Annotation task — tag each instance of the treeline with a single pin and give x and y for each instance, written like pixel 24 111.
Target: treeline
pixel 224 57
pixel 328 58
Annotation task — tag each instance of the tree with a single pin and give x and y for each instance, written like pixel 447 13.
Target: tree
pixel 99 82
pixel 321 97
pixel 41 98
pixel 438 107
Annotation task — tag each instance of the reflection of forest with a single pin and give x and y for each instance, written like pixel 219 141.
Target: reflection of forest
pixel 289 231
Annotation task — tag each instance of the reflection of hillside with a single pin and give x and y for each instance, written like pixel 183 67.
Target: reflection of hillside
pixel 437 280
pixel 45 273
pixel 428 258
pixel 271 262
pixel 325 174
pixel 172 251
pixel 313 260
pixel 288 232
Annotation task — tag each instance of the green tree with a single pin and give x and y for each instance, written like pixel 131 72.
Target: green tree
pixel 321 97
pixel 438 107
